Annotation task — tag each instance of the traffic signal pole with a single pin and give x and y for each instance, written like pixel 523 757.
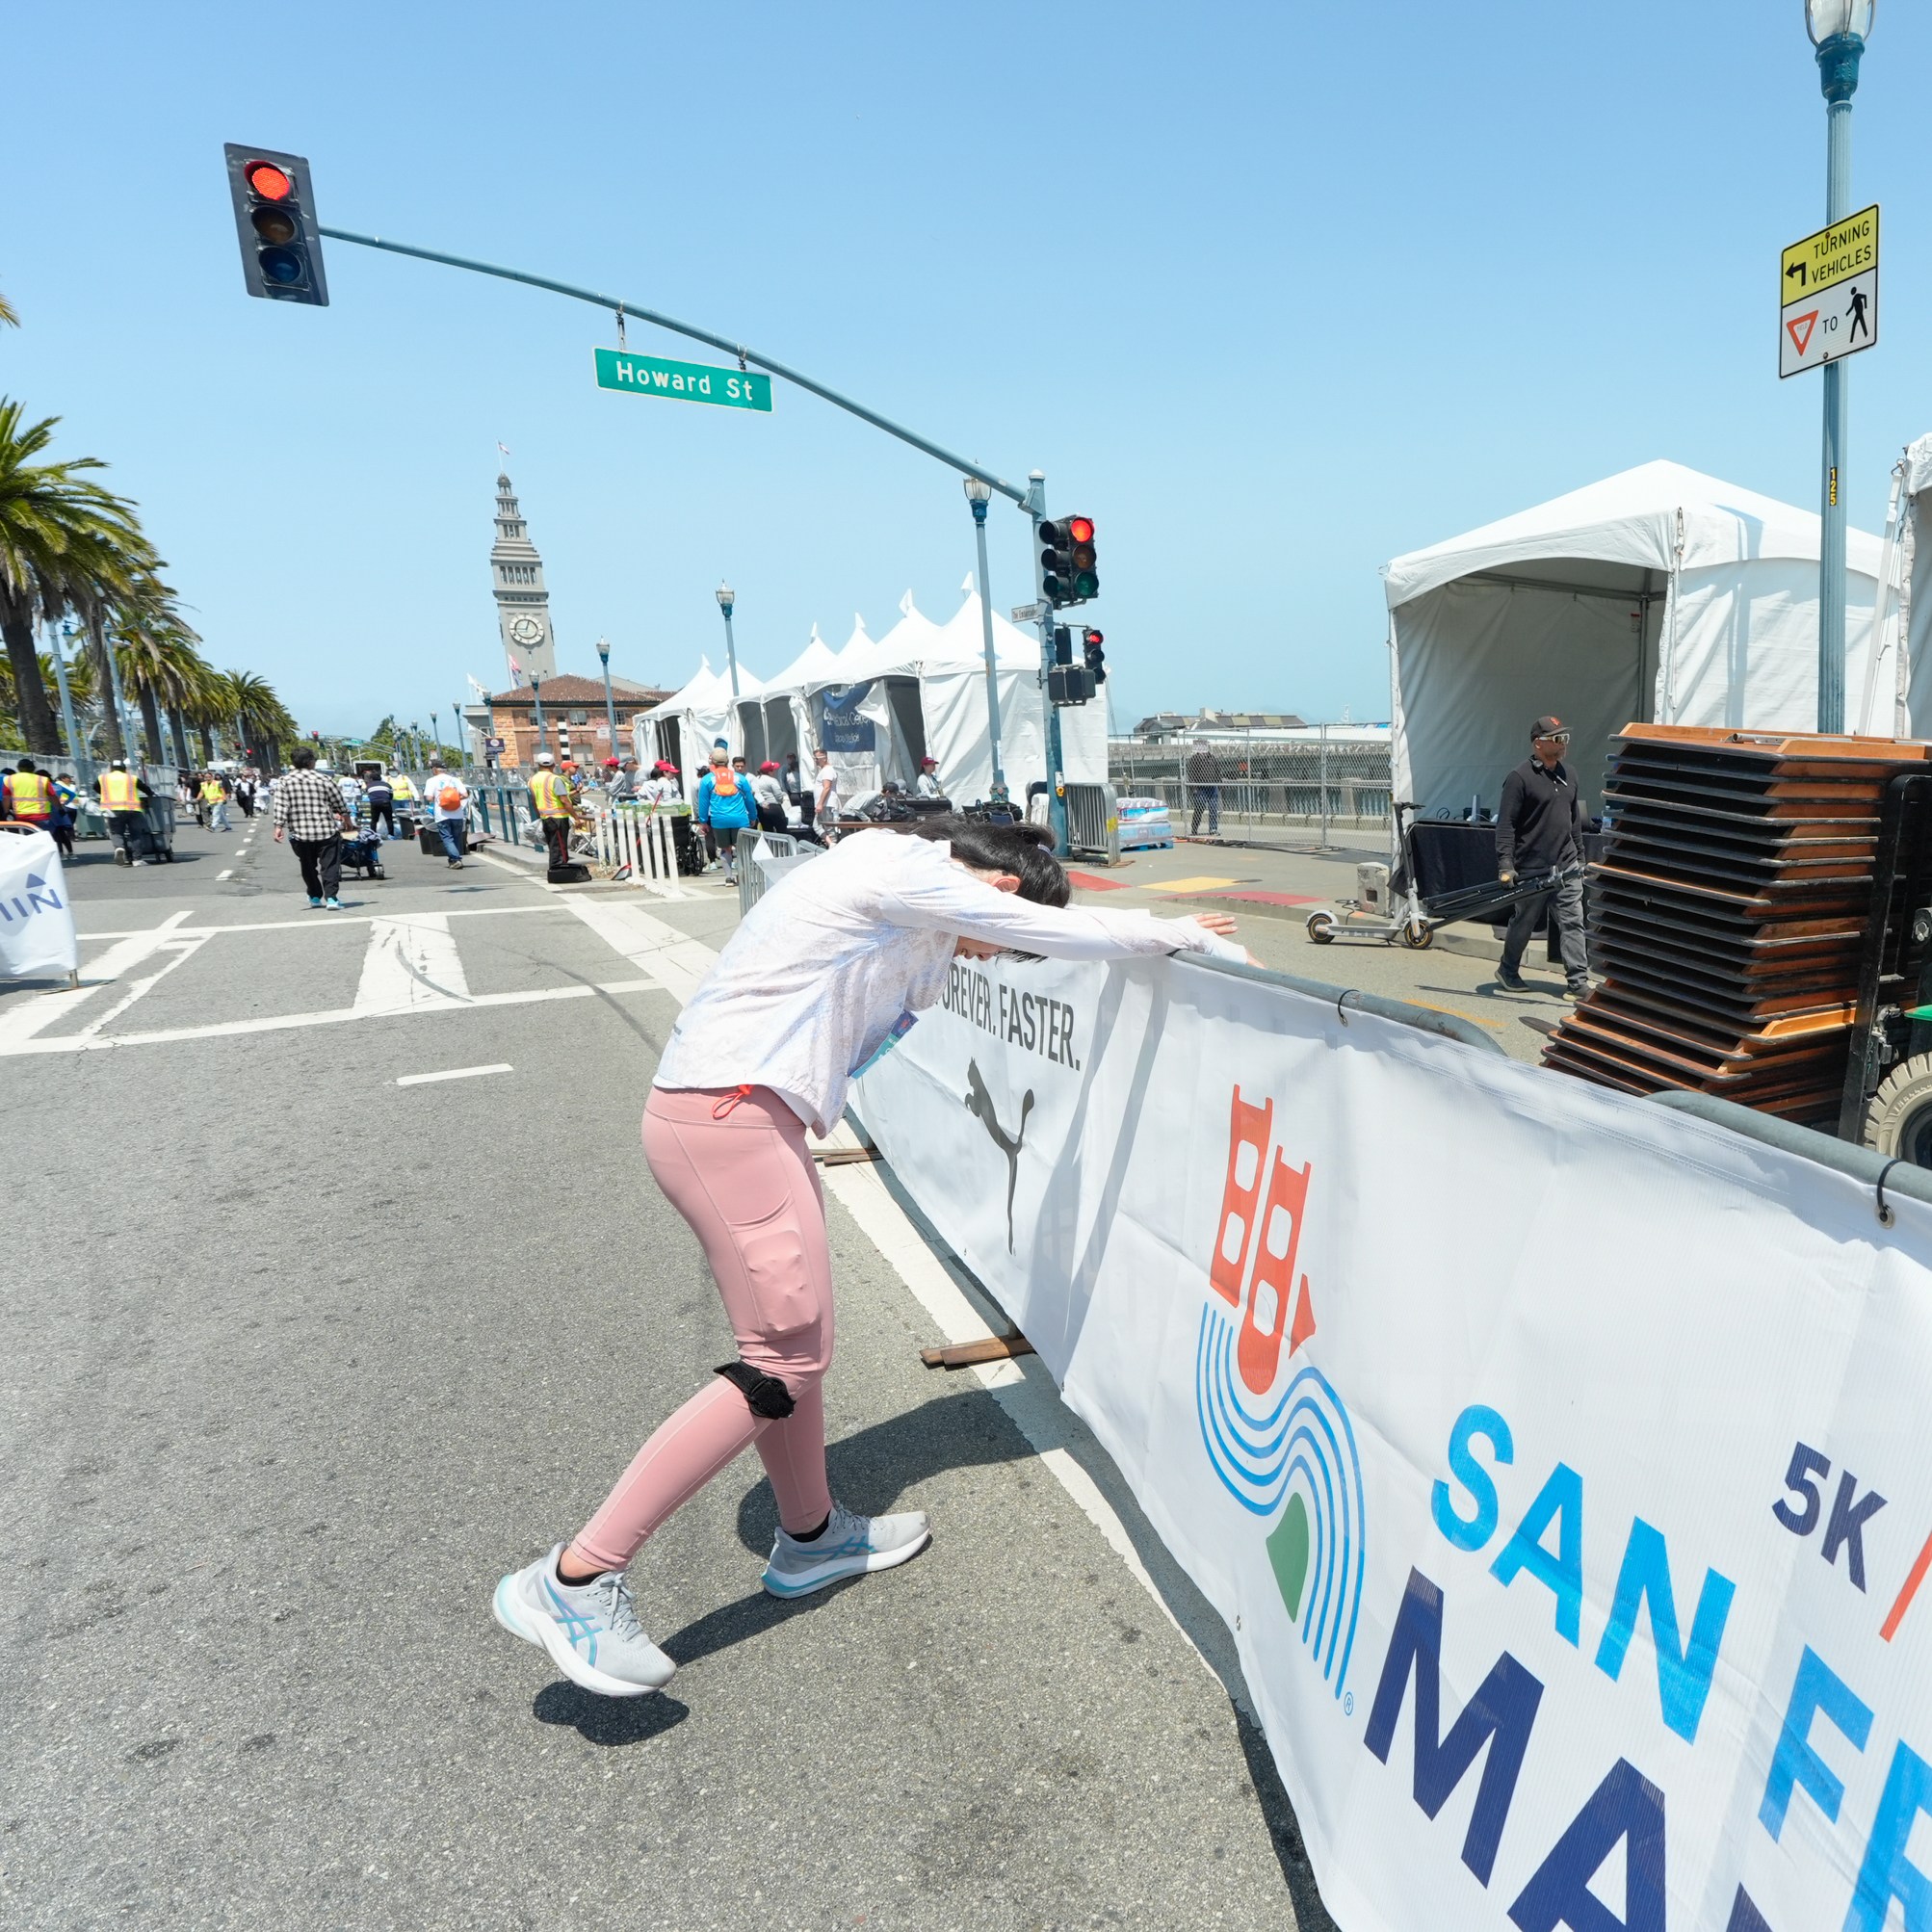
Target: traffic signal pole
pixel 747 358
pixel 1036 510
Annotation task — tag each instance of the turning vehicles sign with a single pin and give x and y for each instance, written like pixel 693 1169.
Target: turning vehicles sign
pixel 1828 294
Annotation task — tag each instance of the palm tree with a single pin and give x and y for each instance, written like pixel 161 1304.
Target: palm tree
pixel 9 314
pixel 258 713
pixel 102 575
pixel 57 527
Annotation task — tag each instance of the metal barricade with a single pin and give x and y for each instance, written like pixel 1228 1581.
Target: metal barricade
pixel 634 841
pixel 760 867
pixel 1094 823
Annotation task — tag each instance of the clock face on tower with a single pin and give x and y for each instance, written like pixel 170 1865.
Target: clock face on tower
pixel 525 631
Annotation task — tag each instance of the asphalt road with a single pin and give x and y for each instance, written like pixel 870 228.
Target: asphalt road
pixel 300 1360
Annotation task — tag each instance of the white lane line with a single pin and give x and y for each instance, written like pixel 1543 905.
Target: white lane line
pixel 283 1021
pixel 241 851
pixel 454 1073
pixel 181 948
pixel 411 961
pixel 675 960
pixel 21 1022
pixel 644 942
pixel 658 888
pixel 352 919
pixel 221 875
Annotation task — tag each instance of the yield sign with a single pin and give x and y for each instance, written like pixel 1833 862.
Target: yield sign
pixel 1800 327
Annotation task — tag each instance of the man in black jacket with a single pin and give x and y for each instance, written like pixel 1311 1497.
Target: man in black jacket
pixel 1539 829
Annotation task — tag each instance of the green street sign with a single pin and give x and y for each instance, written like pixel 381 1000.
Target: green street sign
pixel 683 382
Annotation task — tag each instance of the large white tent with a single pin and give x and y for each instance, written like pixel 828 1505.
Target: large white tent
pixel 1657 593
pixel 1896 695
pixel 788 719
pixel 682 727
pixel 952 695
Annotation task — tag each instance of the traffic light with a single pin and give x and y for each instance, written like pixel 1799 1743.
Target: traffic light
pixel 1069 572
pixel 1096 657
pixel 1062 644
pixel 274 217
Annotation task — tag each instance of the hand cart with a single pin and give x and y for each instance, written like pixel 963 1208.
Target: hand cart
pixel 1415 916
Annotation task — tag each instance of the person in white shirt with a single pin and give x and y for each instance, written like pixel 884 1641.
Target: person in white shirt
pixel 928 786
pixel 826 807
pixel 448 798
pixel 825 973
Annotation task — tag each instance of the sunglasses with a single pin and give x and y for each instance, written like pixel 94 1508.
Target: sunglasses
pixel 1555 737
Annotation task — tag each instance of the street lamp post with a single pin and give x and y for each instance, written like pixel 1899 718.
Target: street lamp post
pixel 536 699
pixel 726 598
pixel 127 741
pixel 1839 30
pixel 610 703
pixel 56 634
pixel 980 494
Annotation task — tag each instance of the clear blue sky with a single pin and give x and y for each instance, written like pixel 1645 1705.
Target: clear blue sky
pixel 1274 292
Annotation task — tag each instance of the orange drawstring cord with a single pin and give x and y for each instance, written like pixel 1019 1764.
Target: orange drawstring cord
pixel 730 1100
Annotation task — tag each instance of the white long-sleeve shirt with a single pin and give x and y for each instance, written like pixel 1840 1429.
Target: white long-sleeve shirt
pixel 827 963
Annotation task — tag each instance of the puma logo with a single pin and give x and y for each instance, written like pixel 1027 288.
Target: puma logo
pixel 979 1102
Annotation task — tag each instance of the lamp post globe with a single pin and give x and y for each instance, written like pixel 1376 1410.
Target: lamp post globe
pixel 610 703
pixel 1824 18
pixel 726 598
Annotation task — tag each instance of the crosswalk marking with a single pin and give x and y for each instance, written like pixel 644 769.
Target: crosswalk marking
pixel 22 1020
pixel 676 962
pixel 411 962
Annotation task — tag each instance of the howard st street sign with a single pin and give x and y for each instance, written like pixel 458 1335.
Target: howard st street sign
pixel 682 382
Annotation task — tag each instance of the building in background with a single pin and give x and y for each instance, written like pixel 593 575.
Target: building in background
pixel 574 721
pixel 522 603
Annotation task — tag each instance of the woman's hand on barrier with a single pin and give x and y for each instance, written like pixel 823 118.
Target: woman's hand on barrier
pixel 1220 924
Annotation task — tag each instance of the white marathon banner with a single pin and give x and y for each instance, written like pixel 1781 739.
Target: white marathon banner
pixel 37 920
pixel 1562 1465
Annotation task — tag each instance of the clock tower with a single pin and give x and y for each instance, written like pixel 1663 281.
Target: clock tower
pixel 522 603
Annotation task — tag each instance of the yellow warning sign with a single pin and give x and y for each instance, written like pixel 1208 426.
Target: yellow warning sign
pixel 1833 255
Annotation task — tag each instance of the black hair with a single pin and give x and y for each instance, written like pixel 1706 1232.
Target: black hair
pixel 303 757
pixel 1025 850
pixel 26 765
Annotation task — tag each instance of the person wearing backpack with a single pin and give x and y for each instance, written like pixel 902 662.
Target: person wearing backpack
pixel 724 804
pixel 449 799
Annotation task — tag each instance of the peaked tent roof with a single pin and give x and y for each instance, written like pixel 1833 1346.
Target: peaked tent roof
pixel 816 663
pixel 1631 519
pixel 897 654
pixel 962 641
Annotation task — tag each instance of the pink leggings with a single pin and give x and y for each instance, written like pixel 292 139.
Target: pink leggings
pixel 733 1163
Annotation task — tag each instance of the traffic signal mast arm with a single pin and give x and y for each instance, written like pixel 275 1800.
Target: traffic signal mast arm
pixel 616 304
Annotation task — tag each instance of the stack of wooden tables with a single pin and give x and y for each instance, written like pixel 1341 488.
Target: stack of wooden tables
pixel 1729 914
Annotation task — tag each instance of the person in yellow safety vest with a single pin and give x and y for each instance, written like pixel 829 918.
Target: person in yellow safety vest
pixel 29 795
pixel 121 798
pixel 552 799
pixel 215 802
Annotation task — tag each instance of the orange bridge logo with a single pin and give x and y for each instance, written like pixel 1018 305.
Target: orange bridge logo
pixel 1279 1437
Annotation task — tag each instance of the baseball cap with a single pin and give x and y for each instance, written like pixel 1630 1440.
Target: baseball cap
pixel 1548 727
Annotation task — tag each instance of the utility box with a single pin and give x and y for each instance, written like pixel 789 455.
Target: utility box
pixel 1372 889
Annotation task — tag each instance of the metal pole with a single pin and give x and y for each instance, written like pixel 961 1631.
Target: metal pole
pixel 1036 511
pixel 127 738
pixel 610 703
pixel 536 699
pixel 75 751
pixel 462 742
pixel 1838 71
pixel 731 656
pixel 986 635
pixel 1324 788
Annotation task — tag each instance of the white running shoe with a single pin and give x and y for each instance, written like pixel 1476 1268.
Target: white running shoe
pixel 589 1629
pixel 848 1545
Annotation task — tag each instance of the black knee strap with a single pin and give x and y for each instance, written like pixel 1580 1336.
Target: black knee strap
pixel 766 1396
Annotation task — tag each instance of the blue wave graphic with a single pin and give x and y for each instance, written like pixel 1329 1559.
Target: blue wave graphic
pixel 1303 1439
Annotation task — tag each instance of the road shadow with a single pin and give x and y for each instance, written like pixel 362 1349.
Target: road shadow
pixel 607 1721
pixel 1284 1834
pixel 871 1469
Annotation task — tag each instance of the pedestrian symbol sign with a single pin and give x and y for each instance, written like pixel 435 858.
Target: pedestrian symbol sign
pixel 1828 294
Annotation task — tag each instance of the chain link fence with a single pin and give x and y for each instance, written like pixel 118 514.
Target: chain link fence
pixel 1323 780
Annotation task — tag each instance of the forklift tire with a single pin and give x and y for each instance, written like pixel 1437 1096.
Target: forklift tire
pixel 1321 927
pixel 1898 1117
pixel 1418 935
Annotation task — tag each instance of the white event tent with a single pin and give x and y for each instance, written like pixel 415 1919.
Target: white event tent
pixel 682 727
pixel 788 722
pixel 1896 695
pixel 1658 594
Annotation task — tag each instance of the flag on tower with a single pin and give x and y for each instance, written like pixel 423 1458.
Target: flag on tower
pixel 505 448
pixel 515 670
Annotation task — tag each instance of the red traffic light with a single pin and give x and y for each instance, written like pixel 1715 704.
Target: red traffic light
pixel 1079 529
pixel 269 181
pixel 1094 640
